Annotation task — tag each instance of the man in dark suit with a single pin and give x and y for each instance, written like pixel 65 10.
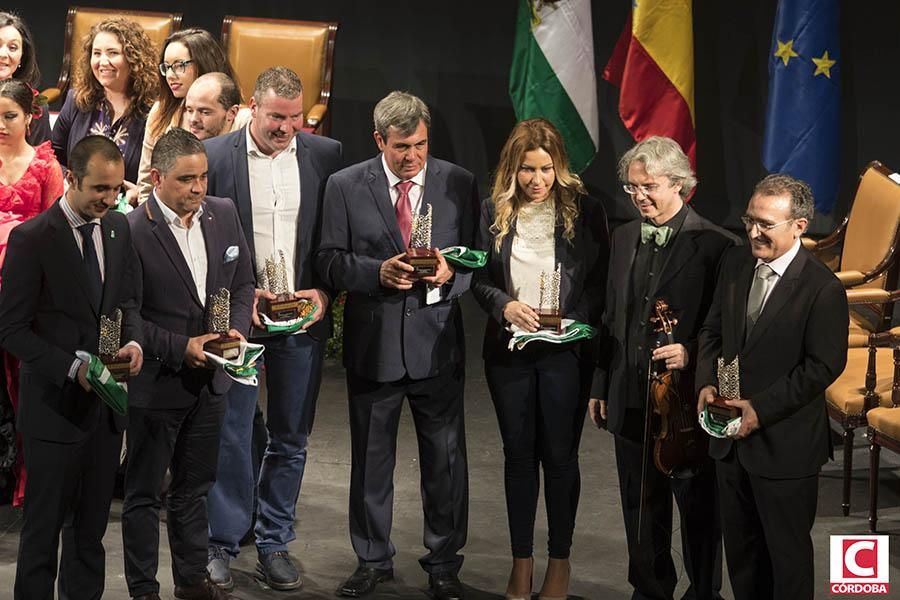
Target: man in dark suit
pixel 670 253
pixel 189 246
pixel 63 270
pixel 402 338
pixel 275 174
pixel 784 315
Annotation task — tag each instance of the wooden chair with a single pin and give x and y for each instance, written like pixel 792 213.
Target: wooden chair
pixel 307 47
pixel 883 432
pixel 863 249
pixel 80 19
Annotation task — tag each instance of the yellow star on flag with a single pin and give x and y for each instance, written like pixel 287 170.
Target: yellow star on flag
pixel 786 51
pixel 823 65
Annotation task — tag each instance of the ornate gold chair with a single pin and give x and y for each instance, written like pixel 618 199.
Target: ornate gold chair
pixel 306 47
pixel 80 19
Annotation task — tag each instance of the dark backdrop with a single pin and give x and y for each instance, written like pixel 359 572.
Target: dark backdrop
pixel 456 56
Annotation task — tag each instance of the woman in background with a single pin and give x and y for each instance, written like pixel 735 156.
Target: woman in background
pixel 30 181
pixel 115 85
pixel 537 220
pixel 18 60
pixel 186 55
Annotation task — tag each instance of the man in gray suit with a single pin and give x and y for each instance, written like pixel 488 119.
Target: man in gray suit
pixel 403 338
pixel 189 247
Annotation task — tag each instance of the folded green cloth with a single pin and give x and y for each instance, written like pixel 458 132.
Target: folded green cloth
pixel 113 393
pixel 573 331
pixel 461 256
pixel 288 327
pixel 243 368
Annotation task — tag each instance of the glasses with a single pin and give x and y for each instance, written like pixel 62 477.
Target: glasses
pixel 646 190
pixel 178 67
pixel 750 222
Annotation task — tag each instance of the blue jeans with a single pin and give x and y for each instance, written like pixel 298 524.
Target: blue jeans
pixel 293 374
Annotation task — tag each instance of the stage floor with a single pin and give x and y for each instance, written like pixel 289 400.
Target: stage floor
pixel 599 558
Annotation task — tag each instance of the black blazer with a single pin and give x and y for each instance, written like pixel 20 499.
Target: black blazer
pixel 686 282
pixel 170 308
pixel 46 315
pixel 390 333
pixel 318 157
pixel 583 282
pixel 796 350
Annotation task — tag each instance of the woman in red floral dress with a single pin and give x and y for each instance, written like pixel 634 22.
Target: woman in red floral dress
pixel 30 181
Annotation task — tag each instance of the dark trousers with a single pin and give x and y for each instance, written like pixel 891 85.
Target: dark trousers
pixel 437 410
pixel 540 410
pixel 651 570
pixel 68 491
pixel 767 524
pixel 185 440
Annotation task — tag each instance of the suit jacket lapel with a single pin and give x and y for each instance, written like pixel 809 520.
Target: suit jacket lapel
pixel 683 249
pixel 242 199
pixel 567 274
pixel 170 246
pixel 309 191
pixel 113 263
pixel 378 185
pixel 71 261
pixel 209 226
pixel 783 292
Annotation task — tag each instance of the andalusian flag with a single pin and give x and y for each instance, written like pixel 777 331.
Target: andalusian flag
pixel 552 73
pixel 803 116
pixel 653 65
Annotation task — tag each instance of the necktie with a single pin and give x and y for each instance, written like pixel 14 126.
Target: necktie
pixel 403 210
pixel 661 235
pixel 762 281
pixel 91 263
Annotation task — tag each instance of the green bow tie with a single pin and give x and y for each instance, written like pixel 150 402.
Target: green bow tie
pixel 661 235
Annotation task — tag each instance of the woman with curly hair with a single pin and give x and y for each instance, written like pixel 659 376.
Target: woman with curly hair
pixel 537 222
pixel 18 60
pixel 114 86
pixel 30 181
pixel 185 56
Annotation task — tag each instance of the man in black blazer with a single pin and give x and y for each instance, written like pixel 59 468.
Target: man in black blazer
pixel 670 253
pixel 63 270
pixel 402 338
pixel 784 315
pixel 190 246
pixel 275 174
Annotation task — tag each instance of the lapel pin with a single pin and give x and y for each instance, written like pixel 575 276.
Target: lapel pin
pixel 112 233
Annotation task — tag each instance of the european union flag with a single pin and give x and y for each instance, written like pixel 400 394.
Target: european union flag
pixel 802 136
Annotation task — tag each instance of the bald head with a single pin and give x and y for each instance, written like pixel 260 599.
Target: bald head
pixel 211 105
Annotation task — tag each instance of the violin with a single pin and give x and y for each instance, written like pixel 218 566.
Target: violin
pixel 680 445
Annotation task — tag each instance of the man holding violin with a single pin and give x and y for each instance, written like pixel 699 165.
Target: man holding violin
pixel 643 382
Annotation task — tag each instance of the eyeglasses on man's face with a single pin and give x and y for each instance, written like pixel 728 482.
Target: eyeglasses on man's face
pixel 632 189
pixel 178 67
pixel 763 226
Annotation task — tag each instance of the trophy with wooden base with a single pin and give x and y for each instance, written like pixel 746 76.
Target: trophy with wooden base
pixel 420 255
pixel 110 342
pixel 218 320
pixel 729 376
pixel 549 317
pixel 273 278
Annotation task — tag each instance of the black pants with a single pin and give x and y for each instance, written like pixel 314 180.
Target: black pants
pixel 437 410
pixel 651 570
pixel 68 491
pixel 767 524
pixel 540 409
pixel 187 441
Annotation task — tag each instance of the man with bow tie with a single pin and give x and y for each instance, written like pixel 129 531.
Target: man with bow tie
pixel 189 246
pixel 670 253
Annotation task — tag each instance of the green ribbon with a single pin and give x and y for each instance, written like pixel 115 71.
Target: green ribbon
pixel 575 331
pixel 461 256
pixel 107 389
pixel 661 235
pixel 293 327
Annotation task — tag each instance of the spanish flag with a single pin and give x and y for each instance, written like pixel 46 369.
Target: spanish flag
pixel 653 65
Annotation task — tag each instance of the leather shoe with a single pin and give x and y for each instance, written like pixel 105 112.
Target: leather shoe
pixel 218 568
pixel 278 571
pixel 445 586
pixel 363 581
pixel 205 590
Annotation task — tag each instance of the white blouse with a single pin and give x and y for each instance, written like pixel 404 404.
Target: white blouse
pixel 533 250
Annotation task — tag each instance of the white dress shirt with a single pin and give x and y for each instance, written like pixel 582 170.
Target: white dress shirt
pixel 275 202
pixel 415 192
pixel 191 243
pixel 75 221
pixel 779 266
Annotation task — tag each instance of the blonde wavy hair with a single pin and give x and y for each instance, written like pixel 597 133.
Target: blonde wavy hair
pixel 508 197
pixel 140 54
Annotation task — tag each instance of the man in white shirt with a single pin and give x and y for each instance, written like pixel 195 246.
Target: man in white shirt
pixel 275 174
pixel 189 246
